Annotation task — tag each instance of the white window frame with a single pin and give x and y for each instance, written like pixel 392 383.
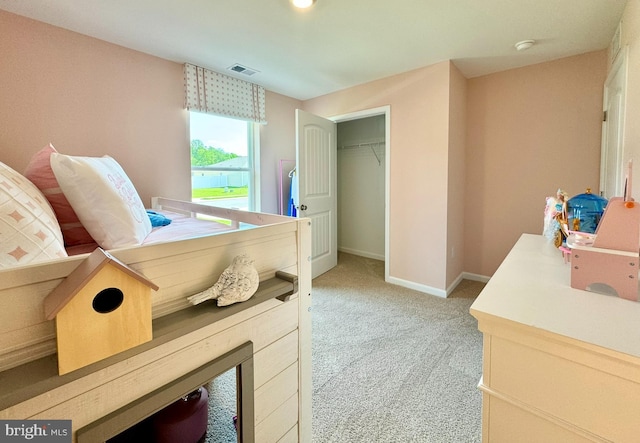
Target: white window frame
pixel 253 159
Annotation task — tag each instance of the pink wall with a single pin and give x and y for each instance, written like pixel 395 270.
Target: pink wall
pixel 90 97
pixel 529 131
pixel 456 175
pixel 418 160
pixel 473 160
pixel 277 141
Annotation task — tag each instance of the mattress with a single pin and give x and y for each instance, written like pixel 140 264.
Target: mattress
pixel 181 227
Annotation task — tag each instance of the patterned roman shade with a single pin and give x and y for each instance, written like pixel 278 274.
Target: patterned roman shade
pixel 213 93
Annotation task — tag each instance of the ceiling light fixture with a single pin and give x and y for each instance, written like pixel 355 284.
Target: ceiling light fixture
pixel 524 45
pixel 302 3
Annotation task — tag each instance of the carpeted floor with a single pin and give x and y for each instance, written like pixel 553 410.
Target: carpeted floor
pixel 222 408
pixel 389 364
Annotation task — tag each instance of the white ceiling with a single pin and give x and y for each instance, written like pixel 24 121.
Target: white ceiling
pixel 338 43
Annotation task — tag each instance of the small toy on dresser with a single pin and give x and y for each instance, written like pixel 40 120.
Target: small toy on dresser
pixel 555 218
pixel 236 284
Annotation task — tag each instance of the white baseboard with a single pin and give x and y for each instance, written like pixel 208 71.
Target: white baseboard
pixel 417 287
pixel 466 276
pixel 475 277
pixel 453 285
pixel 362 253
pixel 435 291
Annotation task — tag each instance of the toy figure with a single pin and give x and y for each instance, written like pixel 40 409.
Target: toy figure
pixel 555 216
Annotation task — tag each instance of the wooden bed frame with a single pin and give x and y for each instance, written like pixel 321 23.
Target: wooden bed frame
pixel 276 320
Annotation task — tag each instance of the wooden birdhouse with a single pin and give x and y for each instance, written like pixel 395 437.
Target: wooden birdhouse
pixel 102 308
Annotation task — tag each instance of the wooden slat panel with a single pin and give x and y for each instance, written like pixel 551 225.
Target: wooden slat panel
pixel 122 419
pixel 167 251
pixel 14 341
pixel 304 329
pixel 228 251
pixel 274 427
pixel 178 277
pixel 182 268
pixel 38 272
pixel 189 274
pixel 275 392
pixel 291 436
pixel 263 329
pixel 275 358
pixel 23 307
pixel 28 354
pixel 84 406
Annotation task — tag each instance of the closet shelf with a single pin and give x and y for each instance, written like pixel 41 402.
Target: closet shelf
pixel 372 145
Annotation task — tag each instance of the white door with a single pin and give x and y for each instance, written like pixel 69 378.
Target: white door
pixel 611 162
pixel 316 167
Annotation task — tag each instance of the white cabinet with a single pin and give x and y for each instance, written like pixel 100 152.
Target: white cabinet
pixel 559 364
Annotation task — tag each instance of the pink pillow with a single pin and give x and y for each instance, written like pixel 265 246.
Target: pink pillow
pixel 39 172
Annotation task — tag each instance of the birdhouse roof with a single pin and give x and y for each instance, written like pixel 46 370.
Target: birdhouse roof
pixel 79 277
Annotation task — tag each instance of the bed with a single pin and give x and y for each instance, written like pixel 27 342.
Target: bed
pixel 186 262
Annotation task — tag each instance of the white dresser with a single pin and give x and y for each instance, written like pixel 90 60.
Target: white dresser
pixel 559 364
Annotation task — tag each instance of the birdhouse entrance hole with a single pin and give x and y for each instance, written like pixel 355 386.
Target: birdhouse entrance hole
pixel 108 300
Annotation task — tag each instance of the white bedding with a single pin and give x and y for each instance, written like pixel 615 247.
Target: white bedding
pixel 181 227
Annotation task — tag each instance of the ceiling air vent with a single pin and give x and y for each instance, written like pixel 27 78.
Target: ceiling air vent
pixel 242 69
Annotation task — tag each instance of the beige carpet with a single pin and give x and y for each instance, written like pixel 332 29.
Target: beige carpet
pixel 391 364
pixel 467 289
pixel 222 408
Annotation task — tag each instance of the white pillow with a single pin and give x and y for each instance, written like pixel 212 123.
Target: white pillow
pixel 29 231
pixel 104 199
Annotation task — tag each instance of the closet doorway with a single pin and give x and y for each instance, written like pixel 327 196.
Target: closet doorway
pixel 363 183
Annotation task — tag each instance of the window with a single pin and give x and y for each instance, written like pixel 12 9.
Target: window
pixel 223 158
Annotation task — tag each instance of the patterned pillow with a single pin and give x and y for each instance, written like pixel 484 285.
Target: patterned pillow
pixel 29 231
pixel 39 172
pixel 104 198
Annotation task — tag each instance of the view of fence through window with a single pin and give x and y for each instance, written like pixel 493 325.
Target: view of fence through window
pixel 221 164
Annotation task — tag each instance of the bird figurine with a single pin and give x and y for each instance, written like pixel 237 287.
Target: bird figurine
pixel 237 283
